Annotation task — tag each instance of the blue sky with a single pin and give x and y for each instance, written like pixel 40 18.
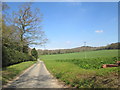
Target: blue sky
pixel 70 24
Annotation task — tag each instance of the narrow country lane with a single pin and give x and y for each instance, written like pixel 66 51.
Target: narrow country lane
pixel 36 77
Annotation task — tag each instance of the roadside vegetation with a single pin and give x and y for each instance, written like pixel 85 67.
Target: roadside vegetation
pixel 19 32
pixel 80 72
pixel 12 71
pixel 20 29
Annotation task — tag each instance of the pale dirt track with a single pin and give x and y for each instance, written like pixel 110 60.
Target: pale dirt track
pixel 36 76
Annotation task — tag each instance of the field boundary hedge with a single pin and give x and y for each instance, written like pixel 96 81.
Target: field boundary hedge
pixel 11 56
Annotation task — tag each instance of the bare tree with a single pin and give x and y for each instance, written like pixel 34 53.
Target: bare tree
pixel 28 22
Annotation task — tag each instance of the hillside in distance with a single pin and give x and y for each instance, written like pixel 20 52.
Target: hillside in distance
pixel 79 49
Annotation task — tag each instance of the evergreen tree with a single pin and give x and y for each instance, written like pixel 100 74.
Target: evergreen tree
pixel 34 53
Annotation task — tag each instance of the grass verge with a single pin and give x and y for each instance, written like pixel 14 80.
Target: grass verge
pixel 12 71
pixel 78 77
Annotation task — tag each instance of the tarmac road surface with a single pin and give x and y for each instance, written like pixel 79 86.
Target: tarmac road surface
pixel 36 76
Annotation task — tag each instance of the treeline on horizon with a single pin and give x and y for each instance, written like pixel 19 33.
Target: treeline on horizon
pixel 79 49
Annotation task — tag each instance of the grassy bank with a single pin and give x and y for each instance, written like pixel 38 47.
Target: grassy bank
pixel 10 72
pixel 76 71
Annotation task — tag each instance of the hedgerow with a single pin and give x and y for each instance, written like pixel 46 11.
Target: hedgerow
pixel 11 56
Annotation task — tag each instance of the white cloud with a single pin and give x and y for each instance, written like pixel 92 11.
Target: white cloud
pixel 99 31
pixel 54 48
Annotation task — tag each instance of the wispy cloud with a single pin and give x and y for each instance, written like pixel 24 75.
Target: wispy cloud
pixel 99 31
pixel 54 48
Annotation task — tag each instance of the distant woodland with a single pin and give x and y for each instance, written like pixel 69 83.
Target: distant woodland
pixel 79 49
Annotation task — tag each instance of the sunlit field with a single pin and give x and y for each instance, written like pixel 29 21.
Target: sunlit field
pixel 79 71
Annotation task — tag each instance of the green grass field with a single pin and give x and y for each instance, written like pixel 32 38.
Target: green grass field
pixel 12 71
pixel 80 72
